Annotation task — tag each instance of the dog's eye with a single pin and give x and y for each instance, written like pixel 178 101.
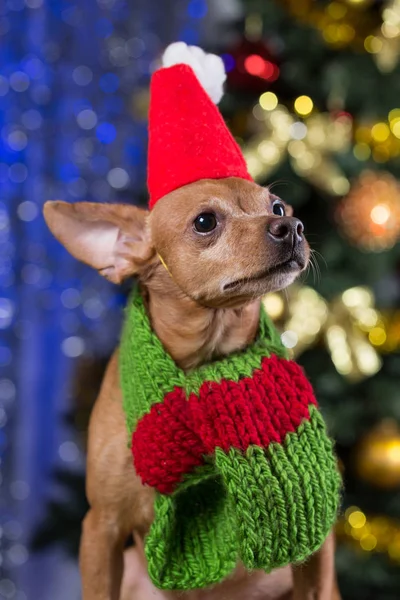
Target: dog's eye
pixel 205 222
pixel 278 209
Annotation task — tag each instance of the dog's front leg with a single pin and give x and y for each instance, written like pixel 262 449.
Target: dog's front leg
pixel 316 579
pixel 119 503
pixel 101 557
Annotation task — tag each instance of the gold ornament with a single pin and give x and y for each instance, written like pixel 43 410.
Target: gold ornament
pixel 309 142
pixel 370 214
pixel 344 325
pixel 378 456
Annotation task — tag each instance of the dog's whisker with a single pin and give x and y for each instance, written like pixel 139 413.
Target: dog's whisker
pixel 286 294
pixel 277 182
pixel 304 275
pixel 317 254
pixel 313 269
pixel 317 269
pixel 314 261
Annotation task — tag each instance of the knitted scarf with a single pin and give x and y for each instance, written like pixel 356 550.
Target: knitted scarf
pixel 237 451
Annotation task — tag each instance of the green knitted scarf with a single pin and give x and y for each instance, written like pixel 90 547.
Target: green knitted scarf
pixel 237 451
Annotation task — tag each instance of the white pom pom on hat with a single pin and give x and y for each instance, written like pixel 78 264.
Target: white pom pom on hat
pixel 208 68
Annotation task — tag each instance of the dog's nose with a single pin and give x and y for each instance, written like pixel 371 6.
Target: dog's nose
pixel 286 229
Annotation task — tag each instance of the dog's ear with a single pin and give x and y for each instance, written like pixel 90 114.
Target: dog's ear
pixel 112 238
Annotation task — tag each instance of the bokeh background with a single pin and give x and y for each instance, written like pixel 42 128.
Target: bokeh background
pixel 313 98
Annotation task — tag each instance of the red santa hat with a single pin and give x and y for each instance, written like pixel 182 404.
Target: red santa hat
pixel 188 138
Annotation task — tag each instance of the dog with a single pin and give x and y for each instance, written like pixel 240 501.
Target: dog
pixel 204 256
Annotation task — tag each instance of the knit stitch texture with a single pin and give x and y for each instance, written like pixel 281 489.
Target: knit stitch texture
pixel 237 451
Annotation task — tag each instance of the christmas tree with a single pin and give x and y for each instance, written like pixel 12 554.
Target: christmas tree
pixel 313 100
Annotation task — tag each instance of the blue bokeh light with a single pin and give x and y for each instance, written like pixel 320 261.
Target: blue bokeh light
pixel 106 133
pixel 33 67
pixel 104 28
pixel 229 62
pixel 197 9
pixel 81 104
pixel 109 83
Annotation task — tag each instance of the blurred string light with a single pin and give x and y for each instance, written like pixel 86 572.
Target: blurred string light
pixel 370 533
pixel 259 66
pixel 341 23
pixel 345 326
pixel 92 147
pixel 303 105
pixel 379 140
pixel 370 215
pixel 351 317
pixel 309 139
pixel 385 43
pixel 350 23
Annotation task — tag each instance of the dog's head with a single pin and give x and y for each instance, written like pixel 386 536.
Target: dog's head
pixel 220 242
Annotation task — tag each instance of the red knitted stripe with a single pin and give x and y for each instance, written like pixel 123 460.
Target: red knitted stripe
pixel 172 439
pixel 164 447
pixel 253 411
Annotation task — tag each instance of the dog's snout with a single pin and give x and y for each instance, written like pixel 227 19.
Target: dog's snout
pixel 286 229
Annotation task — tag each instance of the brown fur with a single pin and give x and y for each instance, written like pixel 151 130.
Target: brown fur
pixel 199 313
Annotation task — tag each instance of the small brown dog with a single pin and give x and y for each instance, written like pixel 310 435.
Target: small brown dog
pixel 225 243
